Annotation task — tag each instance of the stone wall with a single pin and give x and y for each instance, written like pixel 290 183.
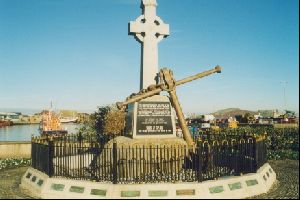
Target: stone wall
pixel 15 149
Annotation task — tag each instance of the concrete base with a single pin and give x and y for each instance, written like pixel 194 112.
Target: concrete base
pixel 41 186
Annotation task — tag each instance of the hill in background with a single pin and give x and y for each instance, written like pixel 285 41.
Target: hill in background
pixel 231 112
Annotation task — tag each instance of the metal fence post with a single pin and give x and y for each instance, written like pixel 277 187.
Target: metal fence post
pixel 32 154
pixel 255 155
pixel 115 169
pixel 199 155
pixel 51 156
pixel 265 152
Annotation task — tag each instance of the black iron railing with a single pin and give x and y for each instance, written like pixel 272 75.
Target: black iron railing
pixel 87 160
pixel 42 157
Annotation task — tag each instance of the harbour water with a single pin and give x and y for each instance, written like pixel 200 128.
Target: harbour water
pixel 24 132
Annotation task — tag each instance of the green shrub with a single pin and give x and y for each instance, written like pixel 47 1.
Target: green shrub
pixel 14 162
pixel 282 143
pixel 283 154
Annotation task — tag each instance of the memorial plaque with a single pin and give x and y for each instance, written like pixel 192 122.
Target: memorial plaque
pixel 154 118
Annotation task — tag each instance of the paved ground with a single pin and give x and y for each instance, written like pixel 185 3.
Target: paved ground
pixel 9 184
pixel 287 186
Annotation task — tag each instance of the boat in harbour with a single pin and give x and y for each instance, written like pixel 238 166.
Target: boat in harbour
pixel 50 125
pixel 5 123
pixel 68 119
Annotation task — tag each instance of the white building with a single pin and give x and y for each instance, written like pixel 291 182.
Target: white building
pixel 10 116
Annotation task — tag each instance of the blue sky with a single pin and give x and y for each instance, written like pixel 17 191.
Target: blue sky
pixel 78 54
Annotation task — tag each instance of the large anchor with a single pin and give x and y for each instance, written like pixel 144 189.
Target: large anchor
pixel 168 83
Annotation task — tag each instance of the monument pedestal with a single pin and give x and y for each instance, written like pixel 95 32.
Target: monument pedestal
pixel 141 153
pixel 127 142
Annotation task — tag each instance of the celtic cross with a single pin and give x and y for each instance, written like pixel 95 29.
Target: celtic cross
pixel 149 30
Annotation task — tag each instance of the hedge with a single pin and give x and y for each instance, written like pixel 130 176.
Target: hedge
pixel 282 143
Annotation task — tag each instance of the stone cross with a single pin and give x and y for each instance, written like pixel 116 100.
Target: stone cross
pixel 149 30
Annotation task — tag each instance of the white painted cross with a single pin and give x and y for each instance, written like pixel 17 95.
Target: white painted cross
pixel 149 29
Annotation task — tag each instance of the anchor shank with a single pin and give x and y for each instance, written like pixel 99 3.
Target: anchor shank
pixel 182 122
pixel 217 69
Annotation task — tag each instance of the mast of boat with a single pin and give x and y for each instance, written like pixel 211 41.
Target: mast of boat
pixel 50 113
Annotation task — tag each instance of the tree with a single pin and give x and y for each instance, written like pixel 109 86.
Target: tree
pixel 106 123
pixel 108 120
pixel 114 122
pixel 98 119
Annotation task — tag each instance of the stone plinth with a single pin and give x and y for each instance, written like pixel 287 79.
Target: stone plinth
pixel 127 142
pixel 138 158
